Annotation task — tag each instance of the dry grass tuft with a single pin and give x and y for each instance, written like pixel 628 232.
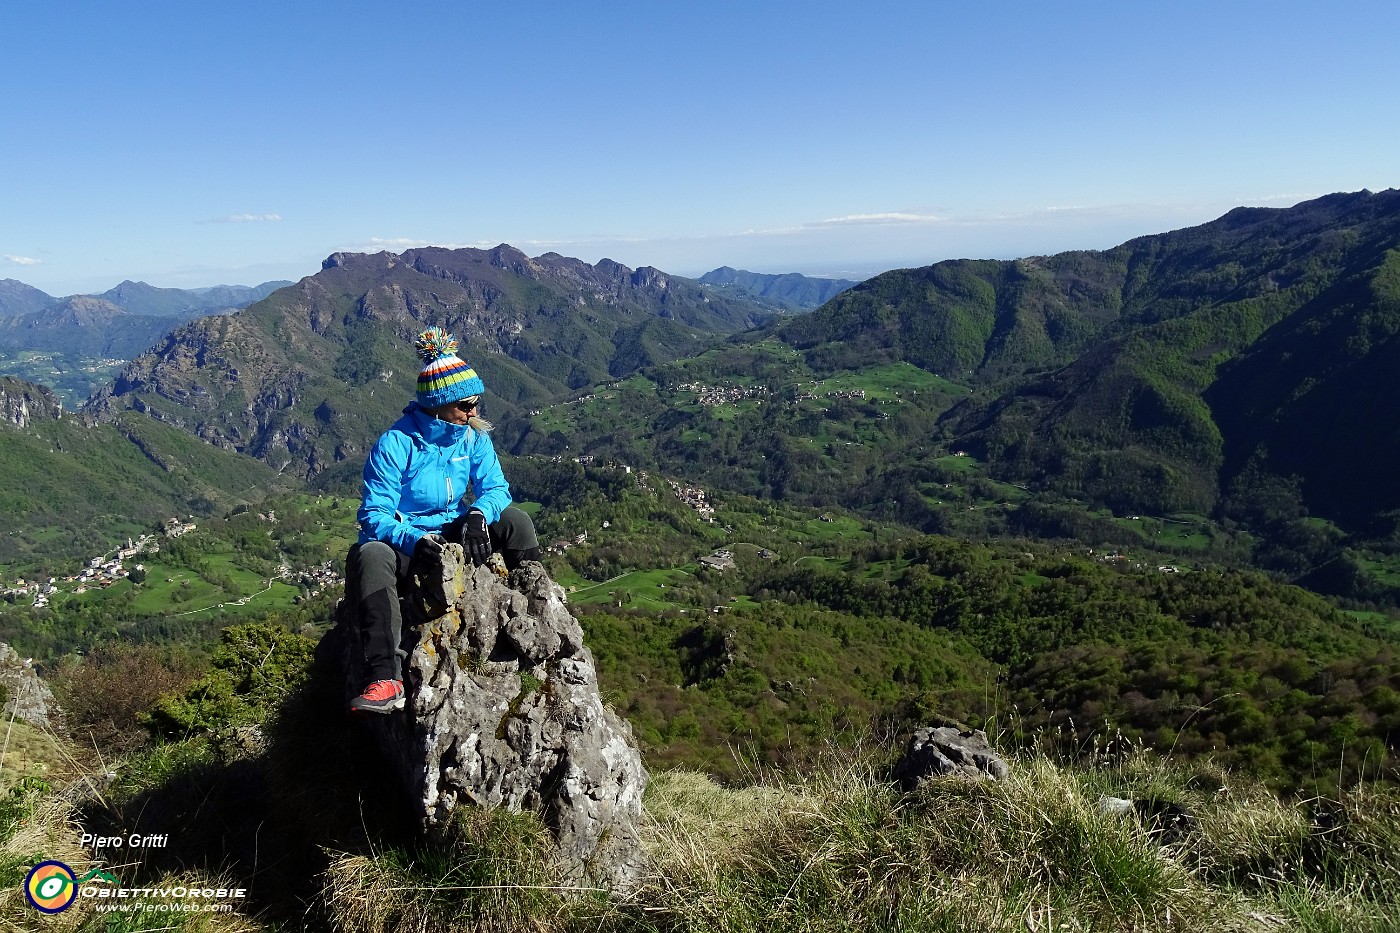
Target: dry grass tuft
pixel 490 873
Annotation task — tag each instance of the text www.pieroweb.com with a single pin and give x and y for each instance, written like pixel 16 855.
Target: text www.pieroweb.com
pixel 179 907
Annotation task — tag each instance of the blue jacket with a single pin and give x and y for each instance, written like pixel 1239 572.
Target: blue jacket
pixel 417 475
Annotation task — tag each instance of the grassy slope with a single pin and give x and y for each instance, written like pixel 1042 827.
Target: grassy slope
pixel 834 848
pixel 96 484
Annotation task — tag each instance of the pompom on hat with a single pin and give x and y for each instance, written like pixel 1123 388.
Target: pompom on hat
pixel 445 378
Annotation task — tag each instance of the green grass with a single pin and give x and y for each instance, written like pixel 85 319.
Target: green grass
pixel 890 382
pixel 956 464
pixel 640 589
pixel 31 752
pixel 1387 625
pixel 837 848
pixel 1386 570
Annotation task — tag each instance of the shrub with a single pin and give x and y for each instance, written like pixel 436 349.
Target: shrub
pixel 255 667
pixel 105 695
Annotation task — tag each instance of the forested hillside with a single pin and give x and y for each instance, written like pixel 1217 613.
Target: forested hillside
pixel 77 488
pixel 1151 376
pixel 1238 374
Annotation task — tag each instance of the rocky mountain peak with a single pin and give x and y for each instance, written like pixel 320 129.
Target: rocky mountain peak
pixel 613 270
pixel 513 260
pixel 651 278
pixel 231 382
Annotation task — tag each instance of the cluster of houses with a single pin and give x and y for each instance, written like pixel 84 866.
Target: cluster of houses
pixel 834 393
pixel 100 572
pixel 326 574
pixel 722 395
pixel 560 545
pixel 591 460
pixel 41 591
pixel 694 497
pixel 104 570
pixel 1121 559
pixel 173 528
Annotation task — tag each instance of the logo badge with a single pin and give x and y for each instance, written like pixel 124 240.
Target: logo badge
pixel 51 887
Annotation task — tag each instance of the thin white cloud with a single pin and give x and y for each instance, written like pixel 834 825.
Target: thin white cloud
pixel 23 260
pixel 1289 199
pixel 249 219
pixel 886 217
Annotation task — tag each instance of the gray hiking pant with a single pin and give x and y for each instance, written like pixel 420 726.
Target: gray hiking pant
pixel 375 570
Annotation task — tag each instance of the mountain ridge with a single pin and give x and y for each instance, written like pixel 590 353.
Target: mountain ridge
pixel 309 376
pixel 1240 371
pixel 17 298
pixel 150 300
pixel 82 326
pixel 790 290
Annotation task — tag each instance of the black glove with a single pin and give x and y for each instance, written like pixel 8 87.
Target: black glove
pixel 476 538
pixel 428 549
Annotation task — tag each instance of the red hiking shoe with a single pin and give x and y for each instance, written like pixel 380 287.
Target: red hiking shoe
pixel 382 696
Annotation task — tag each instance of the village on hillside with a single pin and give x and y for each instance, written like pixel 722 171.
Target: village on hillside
pixel 103 570
pixel 112 567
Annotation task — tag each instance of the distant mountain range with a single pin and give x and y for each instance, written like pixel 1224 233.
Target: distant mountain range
pixel 138 298
pixel 83 327
pixel 790 291
pixel 307 378
pixel 1242 370
pixel 75 335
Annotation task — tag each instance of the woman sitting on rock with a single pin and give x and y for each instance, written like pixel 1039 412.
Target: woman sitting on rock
pixel 415 485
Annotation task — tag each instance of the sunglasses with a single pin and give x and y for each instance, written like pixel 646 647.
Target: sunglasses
pixel 469 404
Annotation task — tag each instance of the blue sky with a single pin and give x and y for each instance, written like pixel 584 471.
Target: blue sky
pixel 189 144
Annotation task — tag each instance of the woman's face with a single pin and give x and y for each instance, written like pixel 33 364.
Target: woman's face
pixel 457 412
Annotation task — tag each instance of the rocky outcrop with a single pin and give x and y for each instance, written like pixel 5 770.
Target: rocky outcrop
pixel 503 710
pixel 26 697
pixel 22 402
pixel 936 751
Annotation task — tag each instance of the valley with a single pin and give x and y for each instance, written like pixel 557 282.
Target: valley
pixel 1009 493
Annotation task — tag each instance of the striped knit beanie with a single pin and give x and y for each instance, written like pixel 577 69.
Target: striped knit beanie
pixel 445 378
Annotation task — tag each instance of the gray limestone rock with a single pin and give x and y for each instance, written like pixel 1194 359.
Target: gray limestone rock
pixel 27 698
pixel 935 751
pixel 22 403
pixel 503 710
